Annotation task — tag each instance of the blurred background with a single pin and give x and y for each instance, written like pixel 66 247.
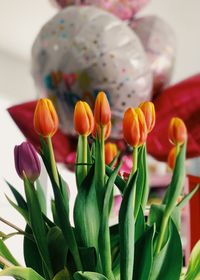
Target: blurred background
pixel 20 22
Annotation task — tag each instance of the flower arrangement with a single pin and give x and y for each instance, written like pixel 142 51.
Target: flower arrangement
pixel 138 247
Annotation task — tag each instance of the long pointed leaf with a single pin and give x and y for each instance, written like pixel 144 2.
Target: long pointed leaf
pixel 168 263
pixel 187 197
pixel 5 252
pixel 21 273
pixel 144 255
pixel 37 223
pixel 127 229
pixel 104 233
pixel 193 271
pixel 89 276
pixel 86 213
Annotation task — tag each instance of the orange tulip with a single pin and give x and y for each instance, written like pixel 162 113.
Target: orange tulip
pixel 110 152
pixel 45 118
pixel 177 131
pixel 102 112
pixel 148 110
pixel 97 129
pixel 134 127
pixel 171 160
pixel 83 118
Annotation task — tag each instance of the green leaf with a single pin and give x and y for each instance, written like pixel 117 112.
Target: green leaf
pixel 21 273
pixel 62 213
pixel 86 213
pixel 187 197
pixel 139 224
pixel 104 233
pixel 168 263
pixel 57 248
pixel 41 197
pixel 89 258
pixel 32 256
pixel 89 276
pixel 19 198
pixel 62 275
pixel 61 207
pixel 127 229
pixel 23 212
pixel 144 255
pixel 112 163
pixel 4 252
pixel 178 180
pixel 120 183
pixel 37 223
pixel 156 213
pixel 193 271
pixel 54 213
pixel 114 240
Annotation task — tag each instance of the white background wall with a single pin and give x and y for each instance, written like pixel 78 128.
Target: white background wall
pixel 20 20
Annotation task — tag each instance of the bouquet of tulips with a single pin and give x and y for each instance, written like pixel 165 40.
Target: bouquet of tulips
pixel 138 247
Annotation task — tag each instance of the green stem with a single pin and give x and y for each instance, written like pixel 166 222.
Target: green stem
pixel 53 162
pixel 162 232
pixel 84 141
pixel 103 151
pixel 135 158
pixel 178 146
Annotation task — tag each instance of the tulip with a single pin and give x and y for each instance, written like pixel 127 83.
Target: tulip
pixel 110 152
pixel 171 160
pixel 134 127
pixel 177 131
pixel 26 161
pixel 97 129
pixel 83 119
pixel 102 112
pixel 148 110
pixel 45 118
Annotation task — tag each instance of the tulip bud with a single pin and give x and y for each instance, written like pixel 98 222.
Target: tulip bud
pixel 134 127
pixel 110 152
pixel 148 110
pixel 26 161
pixel 171 160
pixel 102 112
pixel 177 131
pixel 83 119
pixel 97 129
pixel 45 118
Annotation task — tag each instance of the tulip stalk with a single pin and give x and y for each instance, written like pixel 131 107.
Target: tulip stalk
pixel 52 159
pixel 135 158
pixel 84 150
pixel 103 151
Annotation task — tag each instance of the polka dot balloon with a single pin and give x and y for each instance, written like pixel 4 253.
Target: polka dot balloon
pixel 83 50
pixel 123 9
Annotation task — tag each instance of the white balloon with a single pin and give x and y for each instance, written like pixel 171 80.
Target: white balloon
pixel 83 50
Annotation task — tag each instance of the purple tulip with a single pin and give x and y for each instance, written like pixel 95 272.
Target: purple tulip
pixel 27 161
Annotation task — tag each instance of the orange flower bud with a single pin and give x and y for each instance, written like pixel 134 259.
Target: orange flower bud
pixel 134 127
pixel 177 131
pixel 97 129
pixel 45 118
pixel 102 112
pixel 148 110
pixel 110 152
pixel 171 160
pixel 83 118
